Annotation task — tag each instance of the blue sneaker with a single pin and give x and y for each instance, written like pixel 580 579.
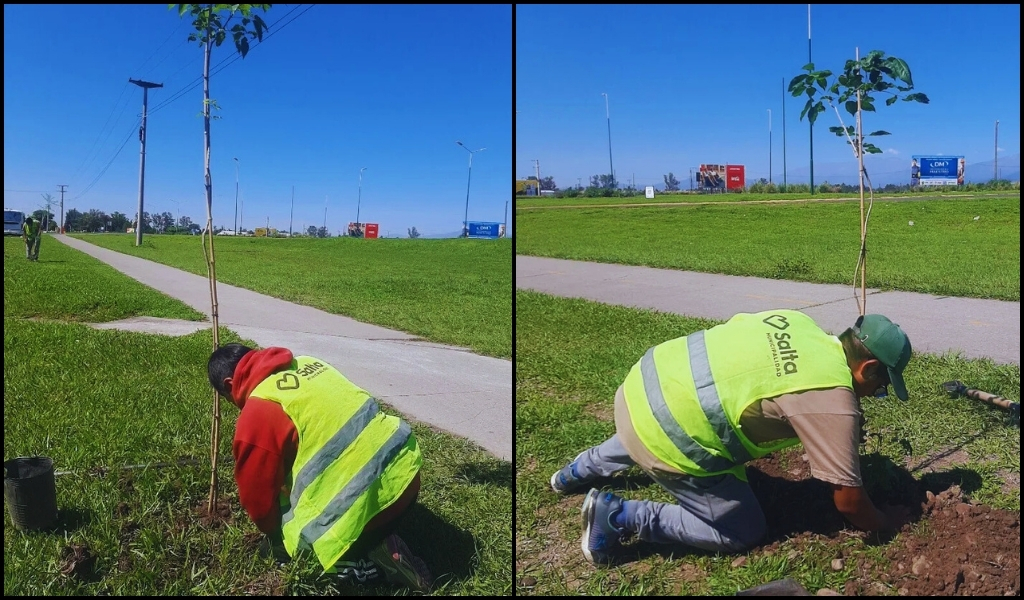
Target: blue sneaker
pixel 567 480
pixel 600 535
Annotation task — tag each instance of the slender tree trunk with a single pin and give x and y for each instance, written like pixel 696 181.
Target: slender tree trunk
pixel 863 224
pixel 212 268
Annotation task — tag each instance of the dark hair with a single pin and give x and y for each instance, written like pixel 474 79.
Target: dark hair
pixel 222 365
pixel 28 219
pixel 857 352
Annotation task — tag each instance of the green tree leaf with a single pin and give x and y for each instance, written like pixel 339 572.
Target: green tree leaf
pixel 867 104
pixel 851 107
pixel 891 101
pixel 809 67
pixel 879 132
pixel 900 70
pixel 918 97
pixel 871 149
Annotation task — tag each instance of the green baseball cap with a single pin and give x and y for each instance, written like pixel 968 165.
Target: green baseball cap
pixel 889 344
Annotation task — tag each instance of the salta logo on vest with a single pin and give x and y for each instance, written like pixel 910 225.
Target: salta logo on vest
pixel 783 353
pixel 288 381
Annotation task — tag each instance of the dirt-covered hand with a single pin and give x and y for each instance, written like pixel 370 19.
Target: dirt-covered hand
pixel 896 516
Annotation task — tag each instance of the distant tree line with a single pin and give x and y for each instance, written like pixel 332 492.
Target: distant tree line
pixel 97 221
pixel 606 186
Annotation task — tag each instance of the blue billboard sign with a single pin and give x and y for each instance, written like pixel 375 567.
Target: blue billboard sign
pixel 937 170
pixel 484 230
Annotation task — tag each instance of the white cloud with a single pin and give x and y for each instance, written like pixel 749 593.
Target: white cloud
pixel 1000 150
pixel 892 151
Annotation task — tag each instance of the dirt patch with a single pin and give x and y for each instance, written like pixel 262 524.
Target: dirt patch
pixel 220 517
pixel 939 461
pixel 78 562
pixel 267 584
pixel 966 549
pixel 1011 481
pixel 969 550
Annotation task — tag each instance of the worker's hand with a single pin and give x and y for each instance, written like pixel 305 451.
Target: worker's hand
pixel 896 516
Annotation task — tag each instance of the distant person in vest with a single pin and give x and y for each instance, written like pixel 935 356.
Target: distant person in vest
pixel 30 233
pixel 693 410
pixel 319 467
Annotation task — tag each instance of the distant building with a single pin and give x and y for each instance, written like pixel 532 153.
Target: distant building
pixel 527 187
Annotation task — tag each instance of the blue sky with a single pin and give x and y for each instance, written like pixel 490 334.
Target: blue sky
pixel 389 88
pixel 691 84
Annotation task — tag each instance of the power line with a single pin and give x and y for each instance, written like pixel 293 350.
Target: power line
pixel 89 156
pixel 86 159
pixel 110 162
pixel 220 66
pixel 228 60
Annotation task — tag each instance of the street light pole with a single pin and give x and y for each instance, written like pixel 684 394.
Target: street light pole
pixel 769 145
pixel 995 156
pixel 465 221
pixel 608 117
pixel 236 196
pixel 177 204
pixel 359 201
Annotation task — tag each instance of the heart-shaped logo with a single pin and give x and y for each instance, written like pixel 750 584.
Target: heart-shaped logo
pixel 777 321
pixel 288 381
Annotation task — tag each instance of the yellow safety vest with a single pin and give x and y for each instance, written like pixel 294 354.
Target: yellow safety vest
pixel 352 461
pixel 685 396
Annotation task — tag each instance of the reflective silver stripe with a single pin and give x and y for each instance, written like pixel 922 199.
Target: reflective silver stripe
pixel 329 453
pixel 682 440
pixel 356 487
pixel 710 402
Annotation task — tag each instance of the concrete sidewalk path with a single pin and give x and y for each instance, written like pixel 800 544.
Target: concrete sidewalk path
pixel 936 324
pixel 450 388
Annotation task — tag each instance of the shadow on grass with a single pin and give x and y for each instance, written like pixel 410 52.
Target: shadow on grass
pixel 448 551
pixel 490 473
pixel 72 519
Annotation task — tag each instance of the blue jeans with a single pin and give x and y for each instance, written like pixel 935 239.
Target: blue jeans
pixel 719 514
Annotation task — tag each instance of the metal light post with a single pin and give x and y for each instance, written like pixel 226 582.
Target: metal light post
pixel 236 196
pixel 465 221
pixel 177 204
pixel 359 201
pixel 995 154
pixel 769 145
pixel 608 117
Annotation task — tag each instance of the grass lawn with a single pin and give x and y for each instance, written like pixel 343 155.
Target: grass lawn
pixel 449 291
pixel 945 252
pixel 91 399
pixel 69 285
pixel 691 198
pixel 571 355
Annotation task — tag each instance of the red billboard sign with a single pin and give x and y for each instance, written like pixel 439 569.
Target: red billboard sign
pixel 372 230
pixel 735 179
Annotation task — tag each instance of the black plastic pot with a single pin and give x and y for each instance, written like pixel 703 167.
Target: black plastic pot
pixel 30 491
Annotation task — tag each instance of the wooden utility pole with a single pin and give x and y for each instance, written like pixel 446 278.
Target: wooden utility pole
pixel 145 85
pixel 62 190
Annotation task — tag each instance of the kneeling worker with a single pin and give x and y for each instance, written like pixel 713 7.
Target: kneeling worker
pixel 693 410
pixel 318 466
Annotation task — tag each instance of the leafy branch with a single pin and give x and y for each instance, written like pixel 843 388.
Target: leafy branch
pixel 875 74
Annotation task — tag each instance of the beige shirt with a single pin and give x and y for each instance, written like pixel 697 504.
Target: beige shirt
pixel 827 422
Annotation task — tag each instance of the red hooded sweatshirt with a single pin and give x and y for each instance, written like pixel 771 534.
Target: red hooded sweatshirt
pixel 266 442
